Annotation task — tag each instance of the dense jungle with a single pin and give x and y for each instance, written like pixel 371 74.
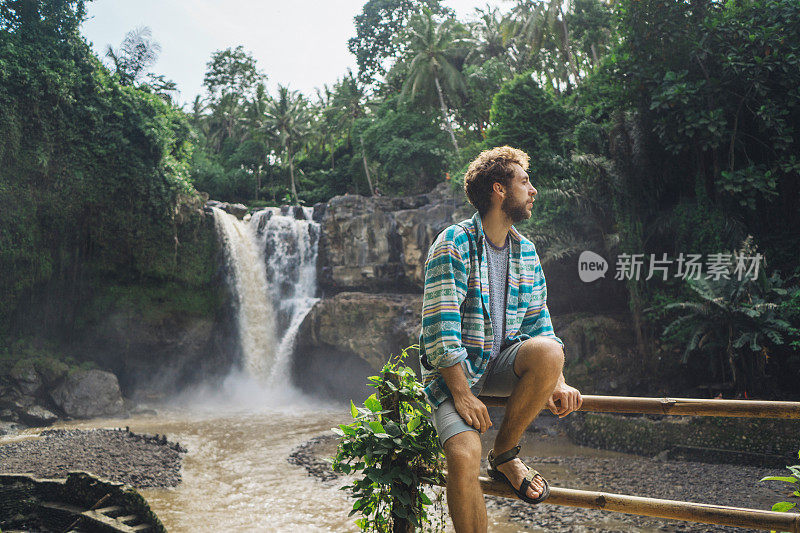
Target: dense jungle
pixel 654 127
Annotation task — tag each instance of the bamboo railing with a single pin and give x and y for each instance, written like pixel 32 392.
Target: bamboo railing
pixel 680 406
pixel 671 509
pixel 653 507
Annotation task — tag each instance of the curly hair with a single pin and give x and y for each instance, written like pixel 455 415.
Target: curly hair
pixel 489 167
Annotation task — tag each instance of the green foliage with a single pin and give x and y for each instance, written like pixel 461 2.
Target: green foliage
pixel 718 84
pixel 232 71
pixel 408 147
pixel 393 447
pixel 793 479
pixel 376 28
pixel 527 117
pixel 51 364
pixel 94 177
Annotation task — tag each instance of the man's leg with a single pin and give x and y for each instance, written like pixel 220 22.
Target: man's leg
pixel 464 496
pixel 538 364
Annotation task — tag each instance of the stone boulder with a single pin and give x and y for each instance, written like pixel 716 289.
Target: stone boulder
pixel 346 338
pixel 88 394
pixel 27 379
pixel 237 210
pixel 371 326
pixel 38 416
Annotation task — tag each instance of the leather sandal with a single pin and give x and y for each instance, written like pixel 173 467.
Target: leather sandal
pixel 522 492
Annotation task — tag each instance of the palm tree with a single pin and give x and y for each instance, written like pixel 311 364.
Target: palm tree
pixel 541 29
pixel 491 35
pixel 136 54
pixel 288 121
pixel 433 48
pixel 348 103
pixel 226 121
pixel 255 120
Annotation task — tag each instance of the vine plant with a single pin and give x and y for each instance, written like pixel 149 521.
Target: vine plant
pixel 391 448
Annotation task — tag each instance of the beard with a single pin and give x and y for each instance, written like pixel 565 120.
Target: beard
pixel 514 210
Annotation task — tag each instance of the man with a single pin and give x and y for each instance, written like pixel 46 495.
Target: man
pixel 486 330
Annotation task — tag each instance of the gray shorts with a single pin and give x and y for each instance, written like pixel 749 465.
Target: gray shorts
pixel 498 380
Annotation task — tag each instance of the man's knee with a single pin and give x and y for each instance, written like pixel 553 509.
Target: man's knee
pixel 541 355
pixel 463 451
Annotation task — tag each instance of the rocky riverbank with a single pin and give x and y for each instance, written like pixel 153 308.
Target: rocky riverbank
pixel 142 461
pixel 731 485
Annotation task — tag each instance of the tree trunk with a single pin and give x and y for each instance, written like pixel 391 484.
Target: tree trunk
pixel 567 47
pixel 445 113
pixel 732 361
pixel 291 175
pixel 595 59
pixel 366 168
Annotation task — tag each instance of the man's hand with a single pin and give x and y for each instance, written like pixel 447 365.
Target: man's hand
pixel 467 405
pixel 565 399
pixel 472 410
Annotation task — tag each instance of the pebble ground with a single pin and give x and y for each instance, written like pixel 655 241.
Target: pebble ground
pixel 142 461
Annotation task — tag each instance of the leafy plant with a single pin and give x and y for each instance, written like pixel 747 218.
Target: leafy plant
pixel 737 318
pixel 795 470
pixel 394 448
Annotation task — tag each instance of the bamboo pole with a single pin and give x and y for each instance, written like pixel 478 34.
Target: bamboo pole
pixel 680 406
pixel 653 507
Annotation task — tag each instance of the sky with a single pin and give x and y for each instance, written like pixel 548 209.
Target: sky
pixel 302 43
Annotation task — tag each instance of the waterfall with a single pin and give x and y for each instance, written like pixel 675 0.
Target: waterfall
pixel 272 267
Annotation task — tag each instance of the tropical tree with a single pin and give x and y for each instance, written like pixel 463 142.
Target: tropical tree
pixel 232 71
pixel 137 53
pixel 255 135
pixel 543 36
pixel 287 121
pixel 491 36
pixel 347 104
pixel 433 48
pixel 377 27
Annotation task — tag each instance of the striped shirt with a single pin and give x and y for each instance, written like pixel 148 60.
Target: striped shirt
pixel 456 321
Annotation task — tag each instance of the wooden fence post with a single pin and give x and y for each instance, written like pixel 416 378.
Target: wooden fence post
pixel 390 401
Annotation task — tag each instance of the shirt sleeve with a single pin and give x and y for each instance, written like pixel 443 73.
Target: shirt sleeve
pixel 444 292
pixel 537 317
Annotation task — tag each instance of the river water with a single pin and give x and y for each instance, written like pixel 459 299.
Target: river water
pixel 236 477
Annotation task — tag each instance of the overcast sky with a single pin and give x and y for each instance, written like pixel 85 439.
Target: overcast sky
pixel 302 43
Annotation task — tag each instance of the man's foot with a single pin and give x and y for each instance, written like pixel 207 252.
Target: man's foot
pixel 515 470
pixel 527 483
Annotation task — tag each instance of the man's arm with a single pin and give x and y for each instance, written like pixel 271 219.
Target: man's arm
pixel 445 291
pixel 471 409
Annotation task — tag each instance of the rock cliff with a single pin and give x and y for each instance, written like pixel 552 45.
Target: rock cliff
pixel 379 244
pixel 371 265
